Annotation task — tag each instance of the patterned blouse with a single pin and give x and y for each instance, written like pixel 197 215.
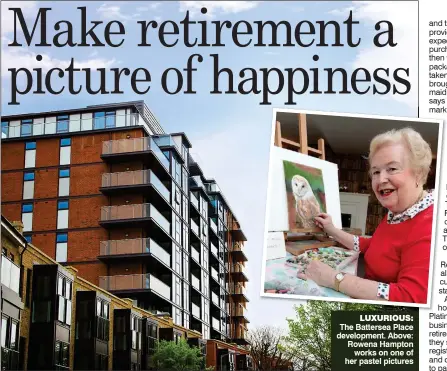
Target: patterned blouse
pixel 383 289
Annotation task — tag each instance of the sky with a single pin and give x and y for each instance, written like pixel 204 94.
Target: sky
pixel 229 133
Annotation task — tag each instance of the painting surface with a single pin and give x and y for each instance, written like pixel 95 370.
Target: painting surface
pixel 305 195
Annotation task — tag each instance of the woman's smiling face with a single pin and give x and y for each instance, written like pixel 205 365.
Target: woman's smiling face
pixel 393 180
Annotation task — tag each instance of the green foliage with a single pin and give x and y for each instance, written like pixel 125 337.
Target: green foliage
pixel 310 333
pixel 178 356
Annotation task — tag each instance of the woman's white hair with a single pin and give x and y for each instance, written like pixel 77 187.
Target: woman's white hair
pixel 420 154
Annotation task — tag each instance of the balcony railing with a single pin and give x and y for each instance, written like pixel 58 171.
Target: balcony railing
pixel 136 211
pixel 198 181
pixel 10 274
pixel 215 298
pixel 195 282
pixel 214 249
pixel 134 145
pixel 194 200
pixel 195 227
pixel 135 282
pixel 237 289
pixel 139 177
pixel 167 140
pixel 236 247
pixel 134 246
pixel 214 274
pixel 213 226
pixel 195 254
pixel 215 323
pixel 238 310
pixel 195 310
pixel 237 268
pixel 72 126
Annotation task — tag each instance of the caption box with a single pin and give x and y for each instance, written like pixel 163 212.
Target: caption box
pixel 372 340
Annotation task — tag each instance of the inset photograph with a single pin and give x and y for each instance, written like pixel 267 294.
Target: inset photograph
pixel 351 207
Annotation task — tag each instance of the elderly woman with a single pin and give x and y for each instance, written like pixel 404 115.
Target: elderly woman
pixel 397 256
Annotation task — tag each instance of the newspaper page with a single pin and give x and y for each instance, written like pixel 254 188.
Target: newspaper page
pixel 224 185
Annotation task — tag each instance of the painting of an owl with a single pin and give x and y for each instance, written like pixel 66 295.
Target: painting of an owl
pixel 305 194
pixel 306 204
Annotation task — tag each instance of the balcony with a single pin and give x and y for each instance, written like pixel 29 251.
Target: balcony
pixel 196 182
pixel 169 141
pixel 10 274
pixel 133 215
pixel 237 253
pixel 133 181
pixel 214 274
pixel 237 272
pixel 238 311
pixel 237 292
pixel 131 149
pixel 137 248
pixel 72 126
pixel 195 310
pixel 135 283
pixel 214 250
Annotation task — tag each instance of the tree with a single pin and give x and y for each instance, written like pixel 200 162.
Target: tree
pixel 267 348
pixel 310 333
pixel 178 356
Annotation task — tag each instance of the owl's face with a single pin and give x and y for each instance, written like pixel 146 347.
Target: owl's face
pixel 300 186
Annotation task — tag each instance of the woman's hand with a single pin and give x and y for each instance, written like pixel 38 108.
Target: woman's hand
pixel 322 274
pixel 324 221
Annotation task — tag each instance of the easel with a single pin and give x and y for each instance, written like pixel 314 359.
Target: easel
pixel 313 238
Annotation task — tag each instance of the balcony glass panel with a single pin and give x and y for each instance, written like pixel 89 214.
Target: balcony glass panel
pixel 195 282
pixel 213 225
pixel 195 310
pixel 167 140
pixel 159 186
pixel 159 153
pixel 194 227
pixel 194 200
pixel 214 249
pixel 198 181
pixel 160 287
pixel 125 282
pixel 215 323
pixel 10 274
pixel 160 253
pixel 195 254
pixel 214 274
pixel 160 219
pixel 215 298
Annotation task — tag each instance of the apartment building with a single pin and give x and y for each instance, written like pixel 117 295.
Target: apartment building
pixel 53 319
pixel 105 190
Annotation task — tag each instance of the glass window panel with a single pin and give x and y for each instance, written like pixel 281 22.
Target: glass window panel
pixel 26 128
pixel 27 208
pixel 65 142
pixel 98 307
pixel 110 119
pixel 4 328
pixel 99 120
pixel 28 238
pixel 13 343
pixel 30 145
pixel 68 313
pixel 27 220
pixel 41 311
pixel 106 310
pixel 61 309
pixel 65 355
pixel 62 124
pixel 60 286
pixel 30 158
pixel 57 352
pixel 68 286
pixel 62 205
pixel 28 175
pixel 65 154
pixel 64 173
pixel 64 187
pixel 5 128
pixel 61 252
pixel 62 237
pixel 28 189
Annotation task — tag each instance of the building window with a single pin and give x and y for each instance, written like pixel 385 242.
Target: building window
pixel 62 214
pixel 102 320
pixel 104 120
pixel 178 230
pixel 64 293
pixel 61 354
pixel 28 185
pixel 30 154
pixel 5 129
pixel 26 128
pixel 135 327
pixel 185 241
pixel 27 217
pixel 185 181
pixel 62 124
pixel 9 344
pixel 185 207
pixel 65 151
pixel 64 182
pixel 61 247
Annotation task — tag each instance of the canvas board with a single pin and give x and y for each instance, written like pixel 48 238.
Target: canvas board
pixel 276 246
pixel 277 208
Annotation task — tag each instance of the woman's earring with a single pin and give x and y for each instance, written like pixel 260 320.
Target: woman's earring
pixel 417 185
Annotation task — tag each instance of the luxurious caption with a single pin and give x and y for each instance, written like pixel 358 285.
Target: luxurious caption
pixel 437 67
pixel 388 340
